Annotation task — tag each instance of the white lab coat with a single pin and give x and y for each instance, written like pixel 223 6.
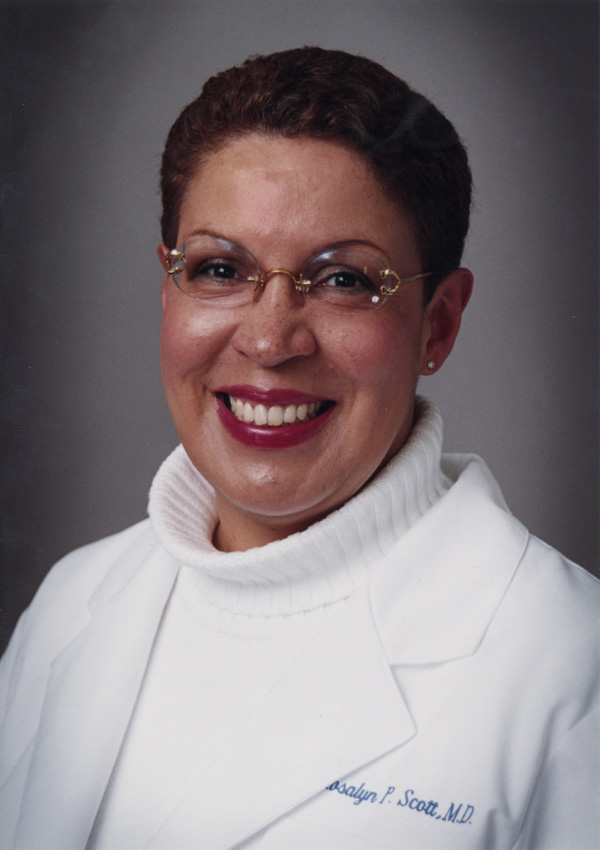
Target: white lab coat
pixel 451 703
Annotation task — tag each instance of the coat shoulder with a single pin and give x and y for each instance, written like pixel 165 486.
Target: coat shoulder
pixel 550 567
pixel 61 605
pixel 563 601
pixel 73 579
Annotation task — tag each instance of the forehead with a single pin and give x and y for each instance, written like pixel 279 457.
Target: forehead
pixel 284 156
pixel 288 189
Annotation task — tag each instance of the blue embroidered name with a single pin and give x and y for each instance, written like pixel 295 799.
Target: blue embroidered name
pixel 454 813
pixel 458 813
pixel 360 794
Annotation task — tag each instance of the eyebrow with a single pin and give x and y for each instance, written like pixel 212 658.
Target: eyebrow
pixel 328 247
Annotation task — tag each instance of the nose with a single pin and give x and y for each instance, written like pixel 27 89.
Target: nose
pixel 276 326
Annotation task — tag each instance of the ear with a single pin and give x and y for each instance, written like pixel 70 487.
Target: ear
pixel 162 252
pixel 442 318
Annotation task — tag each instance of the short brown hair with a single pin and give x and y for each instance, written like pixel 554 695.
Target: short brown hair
pixel 412 149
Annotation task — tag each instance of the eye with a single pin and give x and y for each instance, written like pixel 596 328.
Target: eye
pixel 219 269
pixel 343 280
pixel 209 277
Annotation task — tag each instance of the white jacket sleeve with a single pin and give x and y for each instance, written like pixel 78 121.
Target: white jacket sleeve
pixel 564 812
pixel 9 664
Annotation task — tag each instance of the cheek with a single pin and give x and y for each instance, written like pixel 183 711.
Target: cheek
pixel 379 353
pixel 191 340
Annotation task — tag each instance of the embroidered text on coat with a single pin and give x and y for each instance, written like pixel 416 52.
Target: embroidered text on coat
pixel 457 813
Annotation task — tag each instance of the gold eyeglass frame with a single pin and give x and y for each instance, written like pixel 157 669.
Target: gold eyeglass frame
pixel 175 261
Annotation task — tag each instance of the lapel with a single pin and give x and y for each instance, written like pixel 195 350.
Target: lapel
pixel 100 671
pixel 319 723
pixel 437 592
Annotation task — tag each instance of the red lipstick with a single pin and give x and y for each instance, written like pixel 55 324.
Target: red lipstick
pixel 256 395
pixel 268 436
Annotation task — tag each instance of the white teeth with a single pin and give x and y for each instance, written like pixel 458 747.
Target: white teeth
pixel 274 416
pixel 260 415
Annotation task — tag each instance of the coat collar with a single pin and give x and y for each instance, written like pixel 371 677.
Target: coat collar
pixel 437 592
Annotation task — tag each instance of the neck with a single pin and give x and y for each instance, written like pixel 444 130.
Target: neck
pixel 238 530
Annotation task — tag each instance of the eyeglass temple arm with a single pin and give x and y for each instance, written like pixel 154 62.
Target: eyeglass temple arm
pixel 400 281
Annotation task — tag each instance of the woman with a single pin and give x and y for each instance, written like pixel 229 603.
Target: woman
pixel 326 635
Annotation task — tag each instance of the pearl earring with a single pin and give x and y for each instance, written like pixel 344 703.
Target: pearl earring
pixel 431 364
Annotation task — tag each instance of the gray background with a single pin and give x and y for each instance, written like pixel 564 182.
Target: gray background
pixel 89 91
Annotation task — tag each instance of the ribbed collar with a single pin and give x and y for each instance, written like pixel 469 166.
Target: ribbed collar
pixel 312 568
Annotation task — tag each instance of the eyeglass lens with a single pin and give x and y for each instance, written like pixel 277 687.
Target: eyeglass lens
pixel 344 279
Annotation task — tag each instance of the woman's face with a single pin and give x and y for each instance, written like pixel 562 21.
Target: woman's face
pixel 284 200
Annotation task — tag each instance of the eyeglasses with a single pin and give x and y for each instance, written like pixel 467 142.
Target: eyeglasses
pixel 342 280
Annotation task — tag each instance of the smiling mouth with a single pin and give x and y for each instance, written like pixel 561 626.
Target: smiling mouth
pixel 276 415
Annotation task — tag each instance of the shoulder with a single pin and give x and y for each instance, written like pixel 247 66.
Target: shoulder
pixel 546 590
pixel 553 607
pixel 61 606
pixel 63 615
pixel 546 622
pixel 469 572
pixel 75 577
pixel 473 486
pixel 558 585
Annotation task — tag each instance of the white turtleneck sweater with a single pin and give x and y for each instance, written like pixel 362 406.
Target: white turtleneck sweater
pixel 235 621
